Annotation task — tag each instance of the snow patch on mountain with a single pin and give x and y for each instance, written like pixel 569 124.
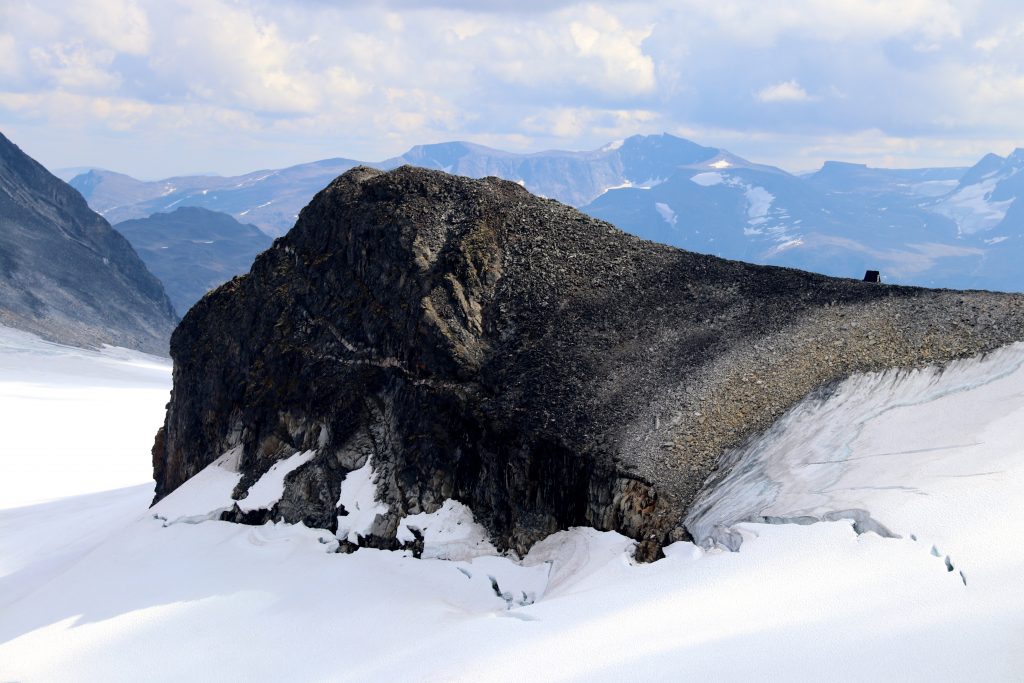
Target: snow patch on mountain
pixel 784 244
pixel 666 213
pixel 206 495
pixel 359 499
pixel 759 201
pixel 931 188
pixel 269 488
pixel 449 533
pixel 621 186
pixel 708 179
pixel 972 208
pixel 243 213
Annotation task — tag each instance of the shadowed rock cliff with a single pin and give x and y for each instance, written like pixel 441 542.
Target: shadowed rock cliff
pixel 479 343
pixel 65 274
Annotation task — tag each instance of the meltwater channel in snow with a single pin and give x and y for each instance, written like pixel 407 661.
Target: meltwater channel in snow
pixel 95 586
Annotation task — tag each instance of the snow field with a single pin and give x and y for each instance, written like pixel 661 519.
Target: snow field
pixel 97 587
pixel 74 421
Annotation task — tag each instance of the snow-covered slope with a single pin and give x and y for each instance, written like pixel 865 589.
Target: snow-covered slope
pixel 842 220
pixel 74 425
pixel 981 200
pixel 72 420
pixel 142 595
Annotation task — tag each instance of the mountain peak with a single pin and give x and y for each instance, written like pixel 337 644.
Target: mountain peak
pixel 842 165
pixel 445 153
pixel 1016 157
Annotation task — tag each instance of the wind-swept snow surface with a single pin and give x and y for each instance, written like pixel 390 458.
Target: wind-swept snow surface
pixel 72 421
pixel 934 458
pixel 73 425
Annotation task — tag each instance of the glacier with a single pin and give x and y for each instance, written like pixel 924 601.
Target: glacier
pixel 910 569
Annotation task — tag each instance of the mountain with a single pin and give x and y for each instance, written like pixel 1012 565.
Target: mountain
pixel 931 226
pixel 192 250
pixel 65 274
pixel 573 178
pixel 842 220
pixel 883 183
pixel 71 172
pixel 418 337
pixel 271 199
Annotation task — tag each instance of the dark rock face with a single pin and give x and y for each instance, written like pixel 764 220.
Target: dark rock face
pixel 65 274
pixel 546 369
pixel 193 250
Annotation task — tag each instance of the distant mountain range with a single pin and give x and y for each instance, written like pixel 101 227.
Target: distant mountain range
pixel 193 250
pixel 272 199
pixel 951 227
pixel 65 274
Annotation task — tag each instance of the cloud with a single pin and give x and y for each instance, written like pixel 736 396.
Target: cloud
pixel 73 66
pixel 787 91
pixel 905 83
pixel 9 65
pixel 567 122
pixel 121 25
pixel 224 53
pixel 754 22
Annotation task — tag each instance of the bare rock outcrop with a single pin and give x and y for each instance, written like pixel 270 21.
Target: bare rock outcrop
pixel 476 342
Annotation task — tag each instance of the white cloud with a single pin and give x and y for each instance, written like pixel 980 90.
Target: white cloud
pixel 226 53
pixel 756 22
pixel 73 66
pixel 787 91
pixel 369 80
pixel 9 60
pixel 599 34
pixel 121 25
pixel 568 122
pixel 586 49
pixel 62 108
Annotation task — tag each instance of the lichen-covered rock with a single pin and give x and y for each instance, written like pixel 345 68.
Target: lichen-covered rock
pixel 541 367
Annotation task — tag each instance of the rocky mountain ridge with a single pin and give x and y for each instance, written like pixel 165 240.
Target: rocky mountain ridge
pixel 193 250
pixel 65 274
pixel 468 340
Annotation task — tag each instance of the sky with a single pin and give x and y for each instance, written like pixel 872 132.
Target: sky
pixel 155 88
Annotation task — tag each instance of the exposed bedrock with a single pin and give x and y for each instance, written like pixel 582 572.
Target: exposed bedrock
pixel 544 368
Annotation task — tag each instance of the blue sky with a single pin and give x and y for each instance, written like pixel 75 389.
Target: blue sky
pixel 155 88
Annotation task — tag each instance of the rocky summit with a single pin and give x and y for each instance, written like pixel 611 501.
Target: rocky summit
pixel 475 342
